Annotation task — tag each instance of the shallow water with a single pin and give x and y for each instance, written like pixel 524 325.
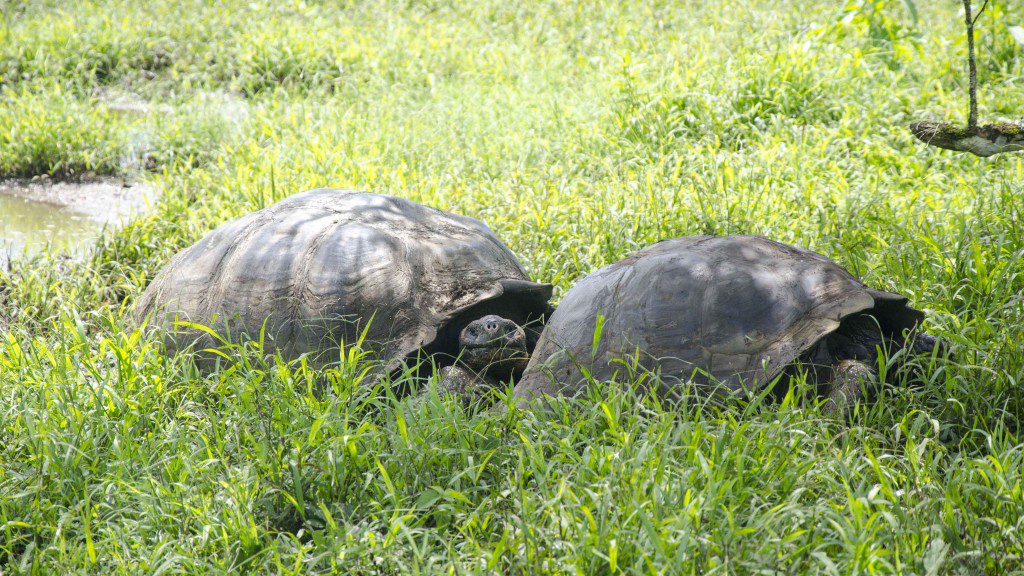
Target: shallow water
pixel 27 226
pixel 63 217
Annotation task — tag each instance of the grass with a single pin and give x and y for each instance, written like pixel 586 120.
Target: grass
pixel 580 133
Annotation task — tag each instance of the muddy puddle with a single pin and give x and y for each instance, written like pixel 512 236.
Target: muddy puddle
pixel 65 217
pixel 41 215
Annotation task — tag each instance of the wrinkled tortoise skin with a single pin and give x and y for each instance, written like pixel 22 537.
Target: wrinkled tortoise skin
pixel 320 267
pixel 725 312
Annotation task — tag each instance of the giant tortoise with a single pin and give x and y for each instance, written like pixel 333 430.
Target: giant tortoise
pixel 725 313
pixel 327 267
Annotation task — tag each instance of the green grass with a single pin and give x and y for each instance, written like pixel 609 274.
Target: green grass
pixel 580 133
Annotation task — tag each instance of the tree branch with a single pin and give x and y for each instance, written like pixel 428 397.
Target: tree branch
pixel 978 15
pixel 982 141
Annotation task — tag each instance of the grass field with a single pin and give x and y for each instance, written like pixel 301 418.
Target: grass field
pixel 579 132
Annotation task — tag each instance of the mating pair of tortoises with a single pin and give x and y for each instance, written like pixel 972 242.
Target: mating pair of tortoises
pixel 328 268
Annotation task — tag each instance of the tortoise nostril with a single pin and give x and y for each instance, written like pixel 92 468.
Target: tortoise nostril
pixel 492 326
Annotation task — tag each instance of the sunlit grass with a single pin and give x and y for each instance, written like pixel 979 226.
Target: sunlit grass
pixel 579 133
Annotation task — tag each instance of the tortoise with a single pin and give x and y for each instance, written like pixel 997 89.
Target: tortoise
pixel 493 350
pixel 328 267
pixel 725 313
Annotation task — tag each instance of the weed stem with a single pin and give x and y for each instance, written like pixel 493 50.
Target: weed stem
pixel 972 118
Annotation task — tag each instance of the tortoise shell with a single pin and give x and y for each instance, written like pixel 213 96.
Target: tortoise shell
pixel 730 312
pixel 327 267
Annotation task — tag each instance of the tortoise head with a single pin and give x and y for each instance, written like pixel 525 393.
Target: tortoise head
pixel 493 344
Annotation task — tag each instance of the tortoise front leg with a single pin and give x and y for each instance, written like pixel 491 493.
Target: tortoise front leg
pixel 462 383
pixel 847 385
